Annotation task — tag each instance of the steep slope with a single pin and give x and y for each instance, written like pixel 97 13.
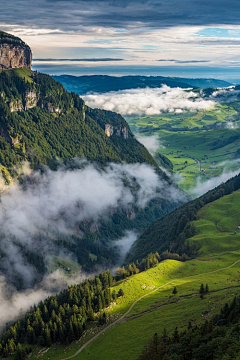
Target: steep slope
pixel 54 123
pixel 171 232
pixel 44 125
pixel 144 303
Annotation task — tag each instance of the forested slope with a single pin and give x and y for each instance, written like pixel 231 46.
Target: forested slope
pixel 170 232
pixel 44 125
pixel 41 122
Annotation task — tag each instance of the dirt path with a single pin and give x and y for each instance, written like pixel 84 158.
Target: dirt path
pixel 218 227
pixel 135 302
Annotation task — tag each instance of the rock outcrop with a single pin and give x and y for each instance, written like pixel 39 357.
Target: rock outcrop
pixel 30 100
pixel 14 53
pixel 114 130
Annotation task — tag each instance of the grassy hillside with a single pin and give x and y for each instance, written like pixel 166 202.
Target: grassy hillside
pixel 217 264
pixel 171 233
pixel 162 309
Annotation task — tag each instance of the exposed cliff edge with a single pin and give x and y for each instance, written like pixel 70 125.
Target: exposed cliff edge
pixel 119 131
pixel 14 53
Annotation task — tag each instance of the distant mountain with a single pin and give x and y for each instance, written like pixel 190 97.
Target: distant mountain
pixel 103 83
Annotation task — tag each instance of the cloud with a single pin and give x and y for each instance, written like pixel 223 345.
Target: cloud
pixel 71 14
pixel 14 304
pixel 148 101
pixel 231 125
pixel 185 61
pixel 152 143
pixel 86 59
pixel 224 95
pixel 203 187
pixel 50 206
pixel 124 244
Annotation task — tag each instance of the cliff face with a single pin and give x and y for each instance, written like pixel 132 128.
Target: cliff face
pixel 116 130
pixel 14 53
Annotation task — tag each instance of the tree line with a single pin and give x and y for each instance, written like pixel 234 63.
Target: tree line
pixel 216 339
pixel 63 317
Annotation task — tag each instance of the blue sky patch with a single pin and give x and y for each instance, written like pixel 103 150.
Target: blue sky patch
pixel 220 33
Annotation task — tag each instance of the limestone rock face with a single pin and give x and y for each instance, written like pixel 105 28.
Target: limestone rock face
pixel 30 99
pixel 113 130
pixel 16 105
pixel 14 53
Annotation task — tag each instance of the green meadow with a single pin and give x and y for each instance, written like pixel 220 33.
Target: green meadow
pixel 217 265
pixel 209 138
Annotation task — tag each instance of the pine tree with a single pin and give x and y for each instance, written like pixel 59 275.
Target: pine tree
pixel 174 290
pixel 114 295
pixel 175 335
pixel 45 314
pixel 100 305
pixel 120 293
pixel 90 314
pixel 201 291
pixel 206 289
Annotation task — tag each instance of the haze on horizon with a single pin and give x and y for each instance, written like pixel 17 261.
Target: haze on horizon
pixel 192 37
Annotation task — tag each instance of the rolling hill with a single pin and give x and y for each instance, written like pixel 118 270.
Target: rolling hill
pixel 103 83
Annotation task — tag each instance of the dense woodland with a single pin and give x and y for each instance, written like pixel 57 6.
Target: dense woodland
pixel 61 318
pixel 170 232
pixel 42 137
pixel 216 339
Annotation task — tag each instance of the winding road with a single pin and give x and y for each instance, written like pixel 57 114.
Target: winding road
pixel 135 302
pixel 199 163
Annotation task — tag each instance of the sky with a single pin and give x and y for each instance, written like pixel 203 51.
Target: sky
pixel 136 36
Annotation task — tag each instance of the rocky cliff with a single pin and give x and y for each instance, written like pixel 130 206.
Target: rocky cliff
pixel 116 130
pixel 14 53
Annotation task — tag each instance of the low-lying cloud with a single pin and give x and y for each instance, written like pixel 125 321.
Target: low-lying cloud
pixel 124 244
pixel 51 205
pixel 148 101
pixel 154 101
pixel 203 187
pixel 152 143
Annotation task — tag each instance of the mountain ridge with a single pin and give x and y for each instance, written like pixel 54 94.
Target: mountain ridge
pixel 105 83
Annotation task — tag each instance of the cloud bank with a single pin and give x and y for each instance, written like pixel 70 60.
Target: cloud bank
pixel 152 143
pixel 203 187
pixel 50 206
pixel 62 15
pixel 148 101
